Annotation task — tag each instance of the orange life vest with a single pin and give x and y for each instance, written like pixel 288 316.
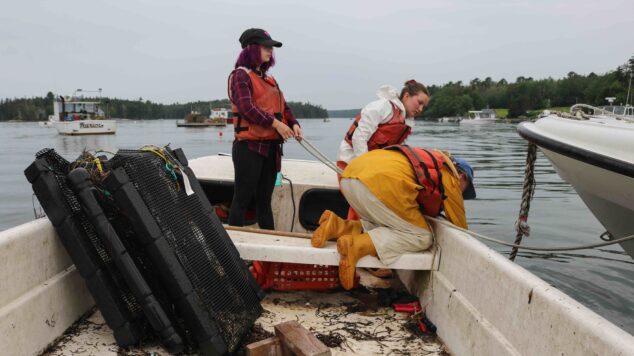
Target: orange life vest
pixel 426 164
pixel 268 97
pixel 393 132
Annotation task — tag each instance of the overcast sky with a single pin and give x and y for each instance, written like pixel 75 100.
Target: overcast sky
pixel 335 53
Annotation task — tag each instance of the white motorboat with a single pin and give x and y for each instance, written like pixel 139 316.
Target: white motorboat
pixel 482 303
pixel 76 116
pixel 479 117
pixel 595 154
pixel 485 116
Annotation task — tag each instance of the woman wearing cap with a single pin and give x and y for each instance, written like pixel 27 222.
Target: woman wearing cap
pixel 392 190
pixel 262 122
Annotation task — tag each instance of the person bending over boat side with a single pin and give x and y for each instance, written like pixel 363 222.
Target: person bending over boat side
pixel 392 189
pixel 262 122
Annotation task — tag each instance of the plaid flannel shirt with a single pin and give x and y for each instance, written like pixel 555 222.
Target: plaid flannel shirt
pixel 241 89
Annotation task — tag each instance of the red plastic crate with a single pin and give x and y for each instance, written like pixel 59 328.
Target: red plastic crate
pixel 295 276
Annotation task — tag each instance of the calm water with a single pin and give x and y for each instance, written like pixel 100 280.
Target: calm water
pixel 603 280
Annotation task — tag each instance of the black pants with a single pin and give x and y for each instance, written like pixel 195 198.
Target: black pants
pixel 254 177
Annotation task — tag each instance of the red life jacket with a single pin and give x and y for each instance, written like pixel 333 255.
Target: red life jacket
pixel 393 132
pixel 268 97
pixel 426 164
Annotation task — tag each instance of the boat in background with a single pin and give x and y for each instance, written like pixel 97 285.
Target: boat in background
pixel 451 119
pixel 485 116
pixel 76 116
pixel 221 114
pixel 595 154
pixel 217 117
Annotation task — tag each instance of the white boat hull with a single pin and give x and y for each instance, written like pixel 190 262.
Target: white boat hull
pixel 477 121
pixel 86 127
pixel 484 304
pixel 612 202
pixel 597 158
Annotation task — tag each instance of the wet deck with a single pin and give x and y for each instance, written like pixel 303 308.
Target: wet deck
pixel 347 322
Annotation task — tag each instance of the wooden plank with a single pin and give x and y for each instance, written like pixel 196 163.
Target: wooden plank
pixel 267 347
pixel 299 341
pixel 277 248
pixel 268 232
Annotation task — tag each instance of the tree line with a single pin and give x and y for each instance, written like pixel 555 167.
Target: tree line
pixel 526 93
pixel 38 108
pixel 520 97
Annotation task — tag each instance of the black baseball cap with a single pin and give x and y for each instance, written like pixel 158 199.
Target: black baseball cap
pixel 258 36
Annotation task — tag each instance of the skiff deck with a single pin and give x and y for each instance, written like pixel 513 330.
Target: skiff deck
pixel 347 322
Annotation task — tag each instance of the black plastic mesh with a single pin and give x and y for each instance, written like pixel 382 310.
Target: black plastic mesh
pixel 61 167
pixel 201 244
pixel 123 227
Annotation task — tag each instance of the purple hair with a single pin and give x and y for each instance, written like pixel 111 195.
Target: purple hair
pixel 251 58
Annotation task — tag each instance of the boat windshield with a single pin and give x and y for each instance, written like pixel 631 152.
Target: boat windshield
pixel 619 110
pixel 82 107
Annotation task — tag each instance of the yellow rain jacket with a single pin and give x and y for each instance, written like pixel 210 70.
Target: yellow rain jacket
pixel 390 177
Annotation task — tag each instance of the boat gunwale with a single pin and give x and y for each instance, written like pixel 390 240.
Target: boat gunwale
pixel 580 154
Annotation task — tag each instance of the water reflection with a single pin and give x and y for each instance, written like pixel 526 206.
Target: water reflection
pixel 70 145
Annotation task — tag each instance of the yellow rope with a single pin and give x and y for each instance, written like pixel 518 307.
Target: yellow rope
pixel 156 150
pixel 159 151
pixel 99 167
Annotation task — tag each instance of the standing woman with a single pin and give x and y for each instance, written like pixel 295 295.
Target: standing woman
pixel 262 122
pixel 383 122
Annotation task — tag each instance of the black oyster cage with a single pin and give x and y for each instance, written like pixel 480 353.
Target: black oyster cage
pixel 153 254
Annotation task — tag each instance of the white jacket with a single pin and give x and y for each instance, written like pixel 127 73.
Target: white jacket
pixel 375 113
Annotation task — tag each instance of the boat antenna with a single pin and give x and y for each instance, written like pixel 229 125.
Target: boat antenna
pixel 627 99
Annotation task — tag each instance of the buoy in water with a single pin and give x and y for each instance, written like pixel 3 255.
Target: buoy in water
pixel 220 133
